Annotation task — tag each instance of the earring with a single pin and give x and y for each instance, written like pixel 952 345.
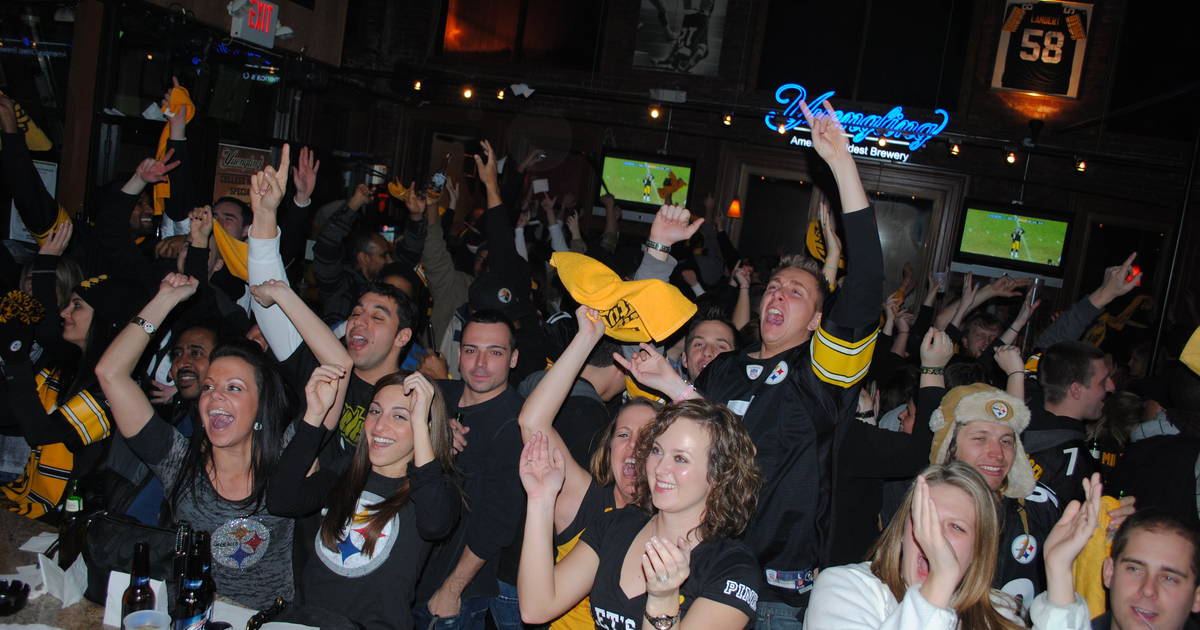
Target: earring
pixel 257 425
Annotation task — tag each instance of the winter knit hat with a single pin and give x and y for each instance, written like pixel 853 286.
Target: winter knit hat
pixel 984 403
pixel 113 300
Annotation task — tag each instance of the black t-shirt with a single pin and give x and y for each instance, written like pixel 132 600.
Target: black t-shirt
pixel 722 570
pixel 1020 571
pixel 597 501
pixel 336 454
pixel 489 466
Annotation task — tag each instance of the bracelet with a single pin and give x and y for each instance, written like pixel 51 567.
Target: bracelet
pixel 684 391
pixel 936 371
pixel 1015 372
pixel 864 415
pixel 659 246
pixel 1014 330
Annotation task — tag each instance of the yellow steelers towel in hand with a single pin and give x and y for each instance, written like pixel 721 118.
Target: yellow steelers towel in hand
pixel 235 253
pixel 633 311
pixel 177 97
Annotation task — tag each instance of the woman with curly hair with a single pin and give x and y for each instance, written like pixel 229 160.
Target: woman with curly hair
pixel 932 567
pixel 668 559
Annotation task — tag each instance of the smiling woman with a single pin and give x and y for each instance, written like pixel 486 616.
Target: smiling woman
pixel 668 557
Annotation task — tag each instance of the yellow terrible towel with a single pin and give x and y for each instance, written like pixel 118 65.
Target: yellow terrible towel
pixel 634 311
pixel 176 98
pixel 1089 564
pixel 235 253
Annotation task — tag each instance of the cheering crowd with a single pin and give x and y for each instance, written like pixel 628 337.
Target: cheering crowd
pixel 524 425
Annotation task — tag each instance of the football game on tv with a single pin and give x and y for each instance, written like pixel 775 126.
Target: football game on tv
pixel 1014 237
pixel 637 181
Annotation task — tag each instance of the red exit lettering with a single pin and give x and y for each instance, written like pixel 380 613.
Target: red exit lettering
pixel 259 17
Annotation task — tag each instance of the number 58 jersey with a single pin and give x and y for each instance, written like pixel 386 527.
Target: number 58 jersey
pixel 1041 49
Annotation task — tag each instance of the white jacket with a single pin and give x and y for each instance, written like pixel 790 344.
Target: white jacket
pixel 850 597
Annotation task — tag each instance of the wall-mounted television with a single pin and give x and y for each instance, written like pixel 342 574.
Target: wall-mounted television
pixel 994 239
pixel 643 183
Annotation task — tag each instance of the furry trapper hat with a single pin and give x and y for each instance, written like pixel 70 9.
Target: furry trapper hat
pixel 982 402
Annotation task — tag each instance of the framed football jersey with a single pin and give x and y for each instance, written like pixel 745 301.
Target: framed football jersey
pixel 1041 48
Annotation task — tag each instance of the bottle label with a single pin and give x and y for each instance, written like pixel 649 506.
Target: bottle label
pixel 74 504
pixel 196 622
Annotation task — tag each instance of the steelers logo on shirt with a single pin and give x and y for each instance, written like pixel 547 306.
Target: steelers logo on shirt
pixel 1000 409
pixel 350 560
pixel 1024 548
pixel 240 543
pixel 504 295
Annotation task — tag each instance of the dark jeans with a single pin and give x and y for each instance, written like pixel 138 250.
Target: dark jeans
pixel 778 616
pixel 505 611
pixel 472 615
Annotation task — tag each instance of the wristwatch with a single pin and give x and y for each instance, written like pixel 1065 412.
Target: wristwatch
pixel 146 326
pixel 665 622
pixel 659 246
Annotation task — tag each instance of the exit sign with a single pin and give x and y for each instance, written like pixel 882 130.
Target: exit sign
pixel 256 23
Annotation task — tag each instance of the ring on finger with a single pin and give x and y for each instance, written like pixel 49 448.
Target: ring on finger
pixel 662 577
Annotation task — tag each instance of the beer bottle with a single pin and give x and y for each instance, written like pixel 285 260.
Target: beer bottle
pixel 190 608
pixel 183 542
pixel 70 528
pixel 139 595
pixel 203 550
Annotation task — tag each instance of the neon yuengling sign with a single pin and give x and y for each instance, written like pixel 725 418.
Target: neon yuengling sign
pixel 892 126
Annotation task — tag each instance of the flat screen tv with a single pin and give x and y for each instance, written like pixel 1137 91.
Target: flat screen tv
pixel 643 183
pixel 993 239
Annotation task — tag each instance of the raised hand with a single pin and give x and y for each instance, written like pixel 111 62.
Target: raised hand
pixel 904 321
pixel 833 244
pixel 321 392
pixel 451 189
pixel 829 139
pixel 572 222
pixel 523 219
pixel 177 121
pixel 489 171
pixel 200 226
pixel 419 387
pixel 414 201
pixel 1009 359
pixel 542 470
pixel 268 185
pixel 265 293
pixel 177 287
pixel 665 565
pixel 945 567
pixel 936 349
pixel 1069 536
pixel 591 325
pixel 1004 286
pixel 57 242
pixel 362 194
pixel 153 170
pixel 652 370
pixel 673 224
pixel 1028 307
pixel 742 274
pixel 304 175
pixel 1115 282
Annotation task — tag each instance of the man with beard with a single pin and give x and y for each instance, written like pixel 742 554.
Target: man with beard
pixel 131 488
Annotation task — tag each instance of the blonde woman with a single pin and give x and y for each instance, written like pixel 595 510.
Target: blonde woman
pixel 932 567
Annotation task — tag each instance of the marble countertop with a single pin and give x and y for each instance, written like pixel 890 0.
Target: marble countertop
pixel 47 609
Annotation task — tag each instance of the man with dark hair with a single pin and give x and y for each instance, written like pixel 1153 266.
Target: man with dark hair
pixel 1152 574
pixel 797 390
pixel 1075 379
pixel 377 332
pixel 475 569
pixel 705 339
pixel 234 215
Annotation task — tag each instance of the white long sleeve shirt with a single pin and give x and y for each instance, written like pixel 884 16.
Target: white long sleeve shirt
pixel 850 597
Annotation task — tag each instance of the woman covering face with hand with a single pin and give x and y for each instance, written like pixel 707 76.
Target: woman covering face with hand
pixel 932 568
pixel 668 560
pixel 375 522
